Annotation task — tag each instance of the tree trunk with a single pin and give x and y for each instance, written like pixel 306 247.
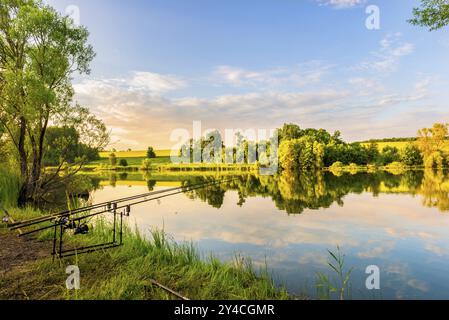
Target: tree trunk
pixel 23 195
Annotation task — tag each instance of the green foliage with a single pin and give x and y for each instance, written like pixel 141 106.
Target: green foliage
pixel 372 153
pixel 389 155
pixel 302 153
pixel 345 153
pixel 411 156
pixel 9 187
pixel 150 153
pixel 123 163
pixel 433 14
pixel 432 142
pixel 289 132
pixel 62 144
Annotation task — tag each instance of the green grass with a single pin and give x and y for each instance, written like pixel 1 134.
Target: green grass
pixel 9 188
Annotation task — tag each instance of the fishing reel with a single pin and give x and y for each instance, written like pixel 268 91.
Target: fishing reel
pixel 82 229
pixel 5 219
pixel 76 228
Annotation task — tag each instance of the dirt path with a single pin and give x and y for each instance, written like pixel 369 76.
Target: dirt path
pixel 16 252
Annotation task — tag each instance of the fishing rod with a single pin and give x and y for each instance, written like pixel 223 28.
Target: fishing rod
pixel 28 223
pixel 64 217
pixel 92 207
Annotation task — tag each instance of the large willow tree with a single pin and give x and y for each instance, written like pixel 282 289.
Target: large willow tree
pixel 40 50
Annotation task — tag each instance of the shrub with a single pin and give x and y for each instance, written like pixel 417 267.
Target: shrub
pixel 123 163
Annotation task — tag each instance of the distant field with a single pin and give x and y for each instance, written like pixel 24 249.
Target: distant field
pixel 135 154
pixel 400 145
pixel 134 158
pixel 397 144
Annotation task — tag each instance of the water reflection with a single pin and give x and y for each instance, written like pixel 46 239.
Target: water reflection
pixel 390 219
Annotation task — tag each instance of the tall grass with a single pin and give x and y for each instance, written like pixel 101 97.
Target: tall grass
pixel 339 285
pixel 9 187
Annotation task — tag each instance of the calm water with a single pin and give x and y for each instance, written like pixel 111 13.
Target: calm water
pixel 399 222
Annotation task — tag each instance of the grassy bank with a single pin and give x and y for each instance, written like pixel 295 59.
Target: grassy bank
pixel 125 272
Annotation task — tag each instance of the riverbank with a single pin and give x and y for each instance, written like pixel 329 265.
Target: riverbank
pixel 125 272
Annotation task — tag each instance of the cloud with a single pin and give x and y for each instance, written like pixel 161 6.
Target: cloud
pixel 297 76
pixel 341 4
pixel 388 57
pixel 155 82
pixel 149 82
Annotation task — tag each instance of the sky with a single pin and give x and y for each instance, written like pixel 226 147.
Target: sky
pixel 233 64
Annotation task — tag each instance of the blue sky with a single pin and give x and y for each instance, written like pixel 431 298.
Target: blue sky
pixel 256 64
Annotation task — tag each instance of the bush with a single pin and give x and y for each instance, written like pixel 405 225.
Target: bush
pixel 123 163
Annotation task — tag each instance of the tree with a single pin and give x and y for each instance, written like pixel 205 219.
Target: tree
pixel 123 163
pixel 390 154
pixel 433 139
pixel 372 152
pixel 289 132
pixel 411 156
pixel 63 145
pixel 112 159
pixel 39 52
pixel 150 153
pixel 433 14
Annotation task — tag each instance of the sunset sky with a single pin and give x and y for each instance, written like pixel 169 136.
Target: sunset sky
pixel 233 64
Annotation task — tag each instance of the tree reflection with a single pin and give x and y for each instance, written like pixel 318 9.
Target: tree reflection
pixel 295 192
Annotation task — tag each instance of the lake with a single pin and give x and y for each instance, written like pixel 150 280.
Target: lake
pixel 398 221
